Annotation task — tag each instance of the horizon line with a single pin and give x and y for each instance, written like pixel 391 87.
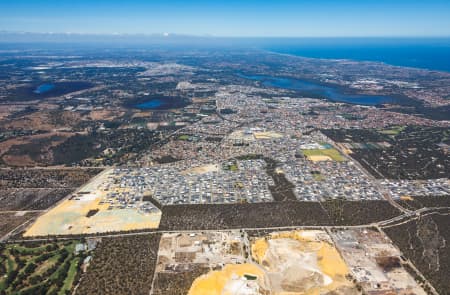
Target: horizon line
pixel 168 35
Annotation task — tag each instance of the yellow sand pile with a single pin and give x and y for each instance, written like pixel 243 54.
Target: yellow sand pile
pixel 259 248
pixel 229 280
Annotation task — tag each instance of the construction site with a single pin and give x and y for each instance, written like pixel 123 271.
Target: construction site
pixel 375 263
pixel 300 262
pixel 102 205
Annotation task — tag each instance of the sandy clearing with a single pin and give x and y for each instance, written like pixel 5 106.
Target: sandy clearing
pixel 229 280
pixel 319 158
pixel 70 216
pixel 202 169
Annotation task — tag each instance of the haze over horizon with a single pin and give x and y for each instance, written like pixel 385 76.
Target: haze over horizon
pixel 233 18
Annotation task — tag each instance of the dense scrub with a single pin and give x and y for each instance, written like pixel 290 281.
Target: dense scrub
pixel 177 282
pixel 425 242
pixel 418 202
pixel 274 214
pixel 45 178
pixel 412 152
pixel 343 212
pixel 122 266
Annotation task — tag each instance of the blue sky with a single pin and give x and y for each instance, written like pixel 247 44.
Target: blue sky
pixel 281 18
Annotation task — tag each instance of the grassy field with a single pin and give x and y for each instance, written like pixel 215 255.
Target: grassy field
pixel 318 177
pixel 332 153
pixel 231 167
pixel 395 130
pixel 70 279
pixel 49 268
pixel 183 137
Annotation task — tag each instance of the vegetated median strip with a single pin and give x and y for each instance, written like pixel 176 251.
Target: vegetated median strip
pixel 283 188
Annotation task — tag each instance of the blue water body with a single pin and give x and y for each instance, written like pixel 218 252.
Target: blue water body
pixel 44 88
pixel 322 91
pixel 426 53
pixel 150 105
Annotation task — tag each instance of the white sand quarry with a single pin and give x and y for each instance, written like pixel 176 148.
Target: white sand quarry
pixel 302 262
pixel 292 270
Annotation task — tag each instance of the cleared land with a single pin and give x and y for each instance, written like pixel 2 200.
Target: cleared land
pixel 243 278
pixel 267 135
pixel 202 169
pixel 308 262
pixel 76 214
pixel 374 262
pixel 297 262
pixel 182 257
pixel 72 217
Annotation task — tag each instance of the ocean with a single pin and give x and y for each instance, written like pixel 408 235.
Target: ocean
pixel 426 53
